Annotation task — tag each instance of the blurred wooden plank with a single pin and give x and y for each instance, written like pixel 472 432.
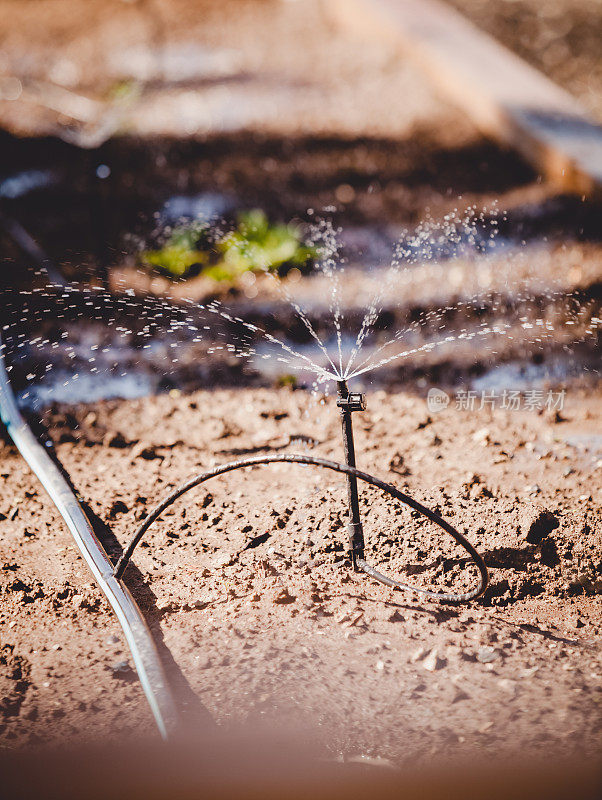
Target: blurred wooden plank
pixel 505 97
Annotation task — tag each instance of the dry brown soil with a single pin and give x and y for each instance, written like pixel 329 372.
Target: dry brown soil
pixel 246 582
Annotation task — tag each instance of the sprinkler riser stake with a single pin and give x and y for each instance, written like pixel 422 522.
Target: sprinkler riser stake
pixel 348 403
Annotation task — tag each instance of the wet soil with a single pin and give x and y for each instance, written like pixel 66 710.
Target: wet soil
pixel 380 182
pixel 527 315
pixel 142 334
pixel 247 583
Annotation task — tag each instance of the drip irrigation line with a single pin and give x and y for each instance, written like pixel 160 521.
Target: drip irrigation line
pixel 443 597
pixel 144 653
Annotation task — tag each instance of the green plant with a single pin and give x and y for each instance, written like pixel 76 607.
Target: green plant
pixel 180 254
pixel 287 380
pixel 254 245
pixel 258 246
pixel 123 90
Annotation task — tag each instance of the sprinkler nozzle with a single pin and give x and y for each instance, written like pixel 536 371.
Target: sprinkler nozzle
pixel 355 401
pixel 349 401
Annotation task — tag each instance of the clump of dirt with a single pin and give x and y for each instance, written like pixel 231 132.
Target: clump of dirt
pixel 538 523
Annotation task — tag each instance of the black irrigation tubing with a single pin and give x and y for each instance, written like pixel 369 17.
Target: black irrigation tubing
pixel 144 653
pixel 442 597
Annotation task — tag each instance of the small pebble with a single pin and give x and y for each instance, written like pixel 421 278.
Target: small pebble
pixel 529 672
pixel 418 655
pixel 486 655
pixel 482 436
pixel 433 661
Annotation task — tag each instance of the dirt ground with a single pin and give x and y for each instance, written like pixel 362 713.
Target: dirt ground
pixel 247 584
pixel 559 37
pixel 190 68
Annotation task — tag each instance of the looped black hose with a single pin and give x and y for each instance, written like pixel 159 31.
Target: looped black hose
pixel 442 597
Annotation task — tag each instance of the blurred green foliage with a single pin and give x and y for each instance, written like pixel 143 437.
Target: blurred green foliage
pixel 123 90
pixel 284 381
pixel 181 252
pixel 255 245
